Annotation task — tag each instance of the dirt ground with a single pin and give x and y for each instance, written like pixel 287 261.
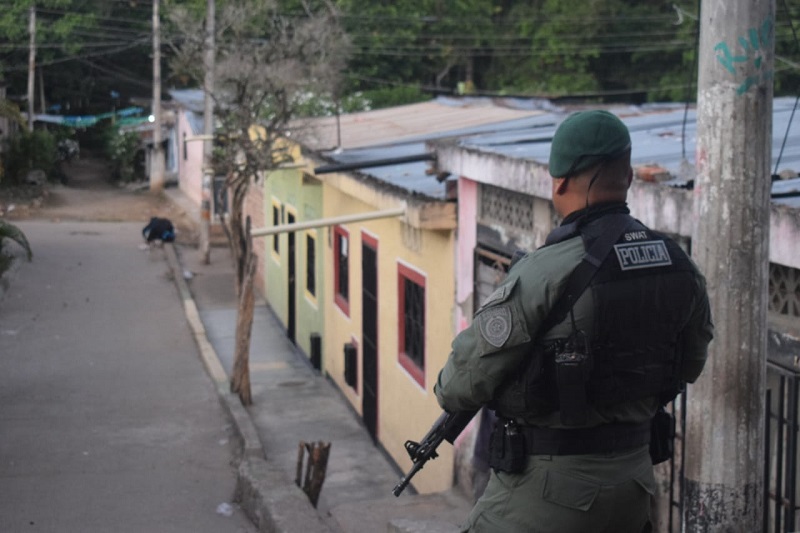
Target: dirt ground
pixel 90 195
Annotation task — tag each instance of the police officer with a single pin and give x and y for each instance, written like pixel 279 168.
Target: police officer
pixel 577 365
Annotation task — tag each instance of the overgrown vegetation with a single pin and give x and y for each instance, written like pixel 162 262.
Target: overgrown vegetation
pixel 10 233
pixel 28 151
pixel 121 148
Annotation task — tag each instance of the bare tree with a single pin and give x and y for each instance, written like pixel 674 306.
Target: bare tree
pixel 267 63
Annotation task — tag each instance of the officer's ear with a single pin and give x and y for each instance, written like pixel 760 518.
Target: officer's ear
pixel 559 186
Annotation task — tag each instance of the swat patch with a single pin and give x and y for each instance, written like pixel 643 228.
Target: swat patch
pixel 647 254
pixel 495 325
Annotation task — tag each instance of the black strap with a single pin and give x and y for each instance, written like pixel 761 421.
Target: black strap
pixel 600 439
pixel 586 269
pixel 572 370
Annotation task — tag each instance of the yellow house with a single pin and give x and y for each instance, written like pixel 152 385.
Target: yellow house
pixel 388 313
pixel 385 240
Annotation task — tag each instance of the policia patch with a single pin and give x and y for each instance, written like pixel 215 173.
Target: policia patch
pixel 495 325
pixel 647 254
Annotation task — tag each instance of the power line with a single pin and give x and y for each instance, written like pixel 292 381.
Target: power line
pixel 80 56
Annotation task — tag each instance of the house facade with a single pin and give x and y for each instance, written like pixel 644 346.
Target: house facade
pixel 188 106
pixel 290 270
pixel 384 286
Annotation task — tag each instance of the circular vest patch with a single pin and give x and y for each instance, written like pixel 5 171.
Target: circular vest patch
pixel 495 325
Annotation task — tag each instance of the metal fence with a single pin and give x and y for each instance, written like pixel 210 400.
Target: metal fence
pixel 780 462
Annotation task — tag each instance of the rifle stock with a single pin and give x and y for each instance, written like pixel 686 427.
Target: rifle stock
pixel 447 427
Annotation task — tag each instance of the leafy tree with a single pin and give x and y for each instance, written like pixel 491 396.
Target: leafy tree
pixel 267 62
pixel 597 47
pixel 77 43
pixel 431 43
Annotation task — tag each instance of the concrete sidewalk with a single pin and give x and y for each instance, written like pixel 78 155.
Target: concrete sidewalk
pixel 292 403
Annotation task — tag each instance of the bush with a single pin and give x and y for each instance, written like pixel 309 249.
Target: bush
pixel 27 151
pixel 395 96
pixel 9 232
pixel 121 150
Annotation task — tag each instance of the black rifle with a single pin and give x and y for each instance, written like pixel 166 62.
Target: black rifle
pixel 447 427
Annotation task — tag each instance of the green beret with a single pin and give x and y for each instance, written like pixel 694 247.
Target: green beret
pixel 584 139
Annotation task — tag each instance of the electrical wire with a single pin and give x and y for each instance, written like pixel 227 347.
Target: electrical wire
pixel 80 56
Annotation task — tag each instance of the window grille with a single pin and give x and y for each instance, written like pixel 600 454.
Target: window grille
pixel 505 207
pixel 411 322
pixel 276 221
pixel 414 318
pixel 784 290
pixel 341 254
pixel 311 273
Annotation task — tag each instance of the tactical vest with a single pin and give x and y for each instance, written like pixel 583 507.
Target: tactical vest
pixel 641 293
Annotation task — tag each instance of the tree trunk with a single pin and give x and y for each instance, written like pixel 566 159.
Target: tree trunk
pixel 240 378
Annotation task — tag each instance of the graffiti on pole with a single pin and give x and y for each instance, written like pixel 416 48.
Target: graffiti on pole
pixel 751 51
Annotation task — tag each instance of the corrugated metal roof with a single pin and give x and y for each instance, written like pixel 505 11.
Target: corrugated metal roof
pixel 657 133
pixel 191 99
pixel 413 121
pixel 512 127
pixel 402 131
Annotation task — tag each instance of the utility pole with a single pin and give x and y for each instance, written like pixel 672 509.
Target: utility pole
pixel 208 131
pixel 31 63
pixel 157 156
pixel 725 485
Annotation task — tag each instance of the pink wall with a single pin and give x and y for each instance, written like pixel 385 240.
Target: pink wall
pixel 190 164
pixel 465 250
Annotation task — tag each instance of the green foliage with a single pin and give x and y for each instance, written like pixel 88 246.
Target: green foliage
pixel 394 96
pixel 604 49
pixel 27 151
pixel 121 148
pixel 9 232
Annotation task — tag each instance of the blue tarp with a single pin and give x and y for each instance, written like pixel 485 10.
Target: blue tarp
pixel 82 121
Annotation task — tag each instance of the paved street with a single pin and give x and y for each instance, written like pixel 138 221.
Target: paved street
pixel 108 421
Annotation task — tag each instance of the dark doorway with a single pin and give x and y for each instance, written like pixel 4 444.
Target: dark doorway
pixel 291 326
pixel 369 332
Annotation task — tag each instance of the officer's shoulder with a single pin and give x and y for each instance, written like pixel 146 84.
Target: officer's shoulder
pixel 552 256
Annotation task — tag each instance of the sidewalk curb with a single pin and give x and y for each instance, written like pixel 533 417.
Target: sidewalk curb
pixel 271 501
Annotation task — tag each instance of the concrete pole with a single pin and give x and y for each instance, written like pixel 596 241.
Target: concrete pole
pixel 208 131
pixel 157 159
pixel 725 419
pixel 31 64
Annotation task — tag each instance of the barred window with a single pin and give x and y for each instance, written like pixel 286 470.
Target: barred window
pixel 311 272
pixel 276 221
pixel 341 268
pixel 411 321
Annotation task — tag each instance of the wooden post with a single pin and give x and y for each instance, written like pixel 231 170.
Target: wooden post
pixel 725 426
pixel 157 159
pixel 316 467
pixel 31 64
pixel 208 131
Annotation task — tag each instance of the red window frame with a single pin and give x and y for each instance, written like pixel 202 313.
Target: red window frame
pixel 404 274
pixel 341 300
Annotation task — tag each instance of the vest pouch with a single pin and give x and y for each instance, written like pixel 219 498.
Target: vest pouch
pixel 507 448
pixel 662 436
pixel 573 365
pixel 527 393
